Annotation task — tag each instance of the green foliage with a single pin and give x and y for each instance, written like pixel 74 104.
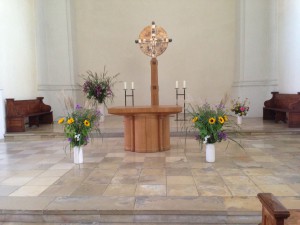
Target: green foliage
pixel 78 125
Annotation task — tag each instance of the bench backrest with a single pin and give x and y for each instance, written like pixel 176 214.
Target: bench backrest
pixel 25 107
pixel 282 101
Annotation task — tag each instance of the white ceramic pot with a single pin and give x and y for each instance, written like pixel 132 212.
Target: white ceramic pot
pixel 239 120
pixel 78 154
pixel 101 108
pixel 210 153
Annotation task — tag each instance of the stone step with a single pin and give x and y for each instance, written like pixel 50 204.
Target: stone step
pixel 144 217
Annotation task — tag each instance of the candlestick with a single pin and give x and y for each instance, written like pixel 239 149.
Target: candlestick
pixel 176 84
pixel 132 85
pixel 184 84
pixel 125 85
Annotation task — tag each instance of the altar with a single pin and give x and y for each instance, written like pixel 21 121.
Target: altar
pixel 147 128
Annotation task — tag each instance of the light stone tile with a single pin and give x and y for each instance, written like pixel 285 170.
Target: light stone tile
pixel 53 173
pixel 180 180
pixel 179 203
pixel 17 203
pixel 176 159
pixel 208 180
pixel 290 202
pixel 123 179
pixel 242 203
pixel 257 171
pixel 181 190
pixel 59 190
pixel 29 191
pixel 263 159
pixel 132 172
pixel 266 180
pixel 279 190
pixel 42 181
pixel 152 179
pixel 62 166
pixel 151 190
pixel 6 190
pixel 16 181
pixel 120 190
pixel 92 203
pixel 213 190
pixel 90 190
pixel 153 172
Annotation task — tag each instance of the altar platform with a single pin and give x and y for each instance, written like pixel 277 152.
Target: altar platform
pixel 40 184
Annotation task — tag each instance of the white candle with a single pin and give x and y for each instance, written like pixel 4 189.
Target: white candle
pixel 132 85
pixel 176 84
pixel 184 84
pixel 125 85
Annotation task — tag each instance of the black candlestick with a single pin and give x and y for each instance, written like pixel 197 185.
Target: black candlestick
pixel 179 94
pixel 127 95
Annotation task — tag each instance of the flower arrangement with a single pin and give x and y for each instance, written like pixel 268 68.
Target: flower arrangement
pixel 78 124
pixel 240 108
pixel 99 87
pixel 209 122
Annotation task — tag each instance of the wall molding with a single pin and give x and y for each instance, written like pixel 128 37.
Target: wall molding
pixel 47 87
pixel 254 83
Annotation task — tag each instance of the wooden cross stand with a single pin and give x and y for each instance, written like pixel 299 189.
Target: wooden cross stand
pixel 147 128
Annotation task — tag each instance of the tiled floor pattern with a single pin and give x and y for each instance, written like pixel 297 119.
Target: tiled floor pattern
pixel 41 175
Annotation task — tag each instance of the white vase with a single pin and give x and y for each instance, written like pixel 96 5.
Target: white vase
pixel 78 154
pixel 239 120
pixel 101 108
pixel 210 153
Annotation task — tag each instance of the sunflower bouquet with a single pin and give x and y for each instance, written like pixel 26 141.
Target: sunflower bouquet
pixel 79 123
pixel 209 122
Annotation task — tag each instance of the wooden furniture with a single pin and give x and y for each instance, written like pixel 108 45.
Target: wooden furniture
pixel 147 128
pixel 34 109
pixel 274 213
pixel 283 107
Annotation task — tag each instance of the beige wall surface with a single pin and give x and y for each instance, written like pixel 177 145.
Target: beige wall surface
pixel 202 51
pixel 17 49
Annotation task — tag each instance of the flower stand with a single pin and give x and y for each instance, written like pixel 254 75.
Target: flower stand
pixel 78 154
pixel 101 108
pixel 210 152
pixel 239 120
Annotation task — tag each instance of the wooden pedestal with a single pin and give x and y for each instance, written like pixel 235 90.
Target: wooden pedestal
pixel 146 128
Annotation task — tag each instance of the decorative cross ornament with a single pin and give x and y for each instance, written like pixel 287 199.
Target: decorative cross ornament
pixel 153 40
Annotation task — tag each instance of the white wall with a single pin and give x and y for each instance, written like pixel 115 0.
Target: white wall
pixel 2 115
pixel 257 53
pixel 289 46
pixel 202 51
pixel 17 49
pixel 55 53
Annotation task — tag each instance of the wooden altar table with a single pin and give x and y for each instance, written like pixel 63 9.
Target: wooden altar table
pixel 146 128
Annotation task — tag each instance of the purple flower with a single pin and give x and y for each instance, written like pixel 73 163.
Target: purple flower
pixel 78 106
pixel 222 135
pixel 69 139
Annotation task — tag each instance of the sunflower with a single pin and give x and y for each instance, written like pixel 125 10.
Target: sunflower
pixel 212 120
pixel 61 120
pixel 70 121
pixel 221 120
pixel 195 119
pixel 86 123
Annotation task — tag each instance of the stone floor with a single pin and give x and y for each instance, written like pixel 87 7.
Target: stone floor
pixel 39 179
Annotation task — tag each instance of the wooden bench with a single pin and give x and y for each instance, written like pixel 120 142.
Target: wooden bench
pixel 17 111
pixel 283 107
pixel 274 213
